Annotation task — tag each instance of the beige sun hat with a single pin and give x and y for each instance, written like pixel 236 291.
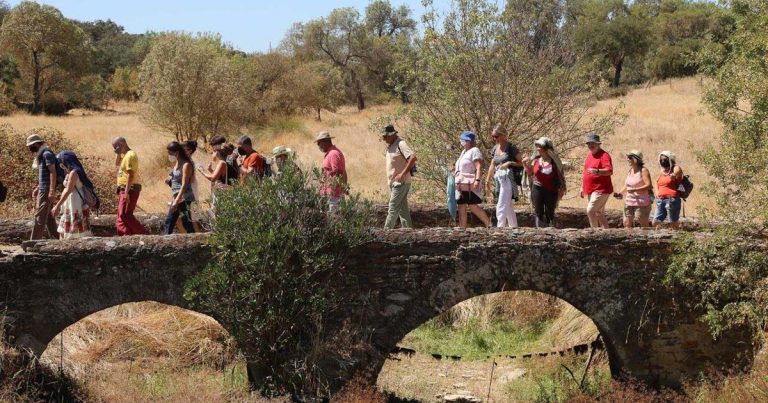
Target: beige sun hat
pixel 34 139
pixel 669 155
pixel 637 154
pixel 281 150
pixel 323 136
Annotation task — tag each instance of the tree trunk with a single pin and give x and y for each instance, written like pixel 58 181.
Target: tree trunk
pixel 617 76
pixel 357 88
pixel 36 84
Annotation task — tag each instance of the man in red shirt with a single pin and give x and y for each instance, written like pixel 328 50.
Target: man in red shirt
pixel 596 184
pixel 252 164
pixel 334 170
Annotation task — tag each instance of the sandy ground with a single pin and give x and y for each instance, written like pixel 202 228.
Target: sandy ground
pixel 424 378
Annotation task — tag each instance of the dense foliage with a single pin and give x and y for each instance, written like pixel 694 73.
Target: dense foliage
pixel 50 50
pixel 738 97
pixel 726 273
pixel 726 277
pixel 353 56
pixel 277 252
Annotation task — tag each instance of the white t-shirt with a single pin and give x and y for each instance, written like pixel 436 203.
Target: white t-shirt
pixel 466 162
pixel 465 168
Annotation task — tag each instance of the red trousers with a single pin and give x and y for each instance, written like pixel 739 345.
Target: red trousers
pixel 127 224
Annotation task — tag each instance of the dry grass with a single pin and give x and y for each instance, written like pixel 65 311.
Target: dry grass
pixel 150 352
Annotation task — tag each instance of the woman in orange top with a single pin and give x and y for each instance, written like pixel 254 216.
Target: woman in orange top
pixel 667 195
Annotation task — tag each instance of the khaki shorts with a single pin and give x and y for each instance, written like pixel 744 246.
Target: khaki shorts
pixel 637 212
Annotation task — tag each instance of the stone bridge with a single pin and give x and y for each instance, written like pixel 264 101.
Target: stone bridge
pixel 396 283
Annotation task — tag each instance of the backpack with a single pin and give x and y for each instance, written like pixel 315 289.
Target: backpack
pixel 685 187
pixel 267 167
pixel 89 197
pixel 413 170
pixel 3 192
pixel 233 171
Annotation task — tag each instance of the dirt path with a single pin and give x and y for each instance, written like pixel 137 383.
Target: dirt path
pixel 423 378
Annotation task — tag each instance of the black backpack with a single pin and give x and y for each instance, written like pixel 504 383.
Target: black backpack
pixel 233 170
pixel 685 187
pixel 413 170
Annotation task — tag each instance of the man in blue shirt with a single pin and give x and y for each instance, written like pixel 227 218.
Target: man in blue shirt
pixel 45 192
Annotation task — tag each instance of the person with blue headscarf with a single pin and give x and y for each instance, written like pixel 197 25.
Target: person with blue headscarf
pixel 468 172
pixel 74 201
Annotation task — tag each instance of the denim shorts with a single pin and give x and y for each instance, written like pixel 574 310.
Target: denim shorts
pixel 673 204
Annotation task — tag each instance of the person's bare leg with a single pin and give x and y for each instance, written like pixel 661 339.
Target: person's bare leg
pixel 627 221
pixel 462 215
pixel 480 213
pixel 604 219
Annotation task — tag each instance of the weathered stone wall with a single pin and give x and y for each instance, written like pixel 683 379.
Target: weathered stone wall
pixel 394 284
pixel 424 216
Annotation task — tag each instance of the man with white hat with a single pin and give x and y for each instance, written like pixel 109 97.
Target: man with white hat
pixel 334 170
pixel 45 192
pixel 400 163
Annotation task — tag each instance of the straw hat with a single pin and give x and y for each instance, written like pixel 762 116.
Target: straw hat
pixel 323 136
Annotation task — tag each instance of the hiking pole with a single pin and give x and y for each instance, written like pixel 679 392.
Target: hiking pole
pixel 490 381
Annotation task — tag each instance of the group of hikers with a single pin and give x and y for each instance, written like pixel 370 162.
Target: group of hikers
pixel 546 177
pixel 240 162
pixel 230 164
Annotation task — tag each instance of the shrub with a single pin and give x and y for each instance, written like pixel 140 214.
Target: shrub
pixel 90 92
pixel 18 175
pixel 277 252
pixel 124 84
pixel 54 103
pixel 725 276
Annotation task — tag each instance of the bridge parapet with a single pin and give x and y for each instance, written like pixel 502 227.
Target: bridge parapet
pixel 424 216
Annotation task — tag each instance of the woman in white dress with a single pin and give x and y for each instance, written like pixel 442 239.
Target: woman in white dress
pixel 75 219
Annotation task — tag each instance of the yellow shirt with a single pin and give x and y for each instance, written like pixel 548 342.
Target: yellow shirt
pixel 130 163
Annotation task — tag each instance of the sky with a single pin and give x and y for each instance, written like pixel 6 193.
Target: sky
pixel 247 25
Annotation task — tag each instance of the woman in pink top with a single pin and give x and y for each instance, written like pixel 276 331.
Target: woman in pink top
pixel 636 192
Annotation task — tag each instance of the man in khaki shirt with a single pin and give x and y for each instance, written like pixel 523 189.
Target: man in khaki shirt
pixel 400 160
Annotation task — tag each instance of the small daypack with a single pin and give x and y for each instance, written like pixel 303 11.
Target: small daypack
pixel 233 170
pixel 89 197
pixel 413 170
pixel 685 187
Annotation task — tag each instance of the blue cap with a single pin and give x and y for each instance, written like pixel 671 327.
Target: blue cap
pixel 467 136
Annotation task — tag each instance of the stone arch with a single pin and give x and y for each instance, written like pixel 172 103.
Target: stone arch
pixel 59 283
pixel 613 277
